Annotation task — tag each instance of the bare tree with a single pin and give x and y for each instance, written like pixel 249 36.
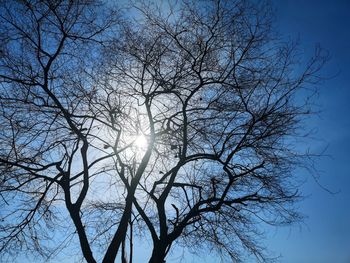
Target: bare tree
pixel 174 123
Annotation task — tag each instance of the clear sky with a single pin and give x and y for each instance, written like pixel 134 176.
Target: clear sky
pixel 326 236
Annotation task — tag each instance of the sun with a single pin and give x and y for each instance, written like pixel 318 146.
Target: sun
pixel 141 142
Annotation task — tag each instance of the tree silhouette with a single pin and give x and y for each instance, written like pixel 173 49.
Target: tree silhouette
pixel 173 122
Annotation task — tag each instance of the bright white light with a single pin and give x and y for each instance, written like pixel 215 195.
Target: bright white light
pixel 141 142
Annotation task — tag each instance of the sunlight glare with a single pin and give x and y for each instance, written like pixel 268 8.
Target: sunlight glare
pixel 141 142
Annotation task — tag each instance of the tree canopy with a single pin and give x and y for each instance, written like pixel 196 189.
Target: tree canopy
pixel 173 123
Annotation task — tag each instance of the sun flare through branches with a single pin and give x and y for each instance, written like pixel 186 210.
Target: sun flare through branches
pixel 171 123
pixel 141 142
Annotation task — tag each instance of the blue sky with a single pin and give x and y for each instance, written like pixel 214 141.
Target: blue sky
pixel 325 237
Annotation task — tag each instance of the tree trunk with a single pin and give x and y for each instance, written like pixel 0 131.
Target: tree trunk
pixel 119 235
pixel 158 253
pixel 84 243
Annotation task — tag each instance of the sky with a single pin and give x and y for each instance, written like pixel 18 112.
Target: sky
pixel 325 237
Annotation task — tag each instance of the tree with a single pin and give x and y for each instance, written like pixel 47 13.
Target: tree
pixel 175 123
